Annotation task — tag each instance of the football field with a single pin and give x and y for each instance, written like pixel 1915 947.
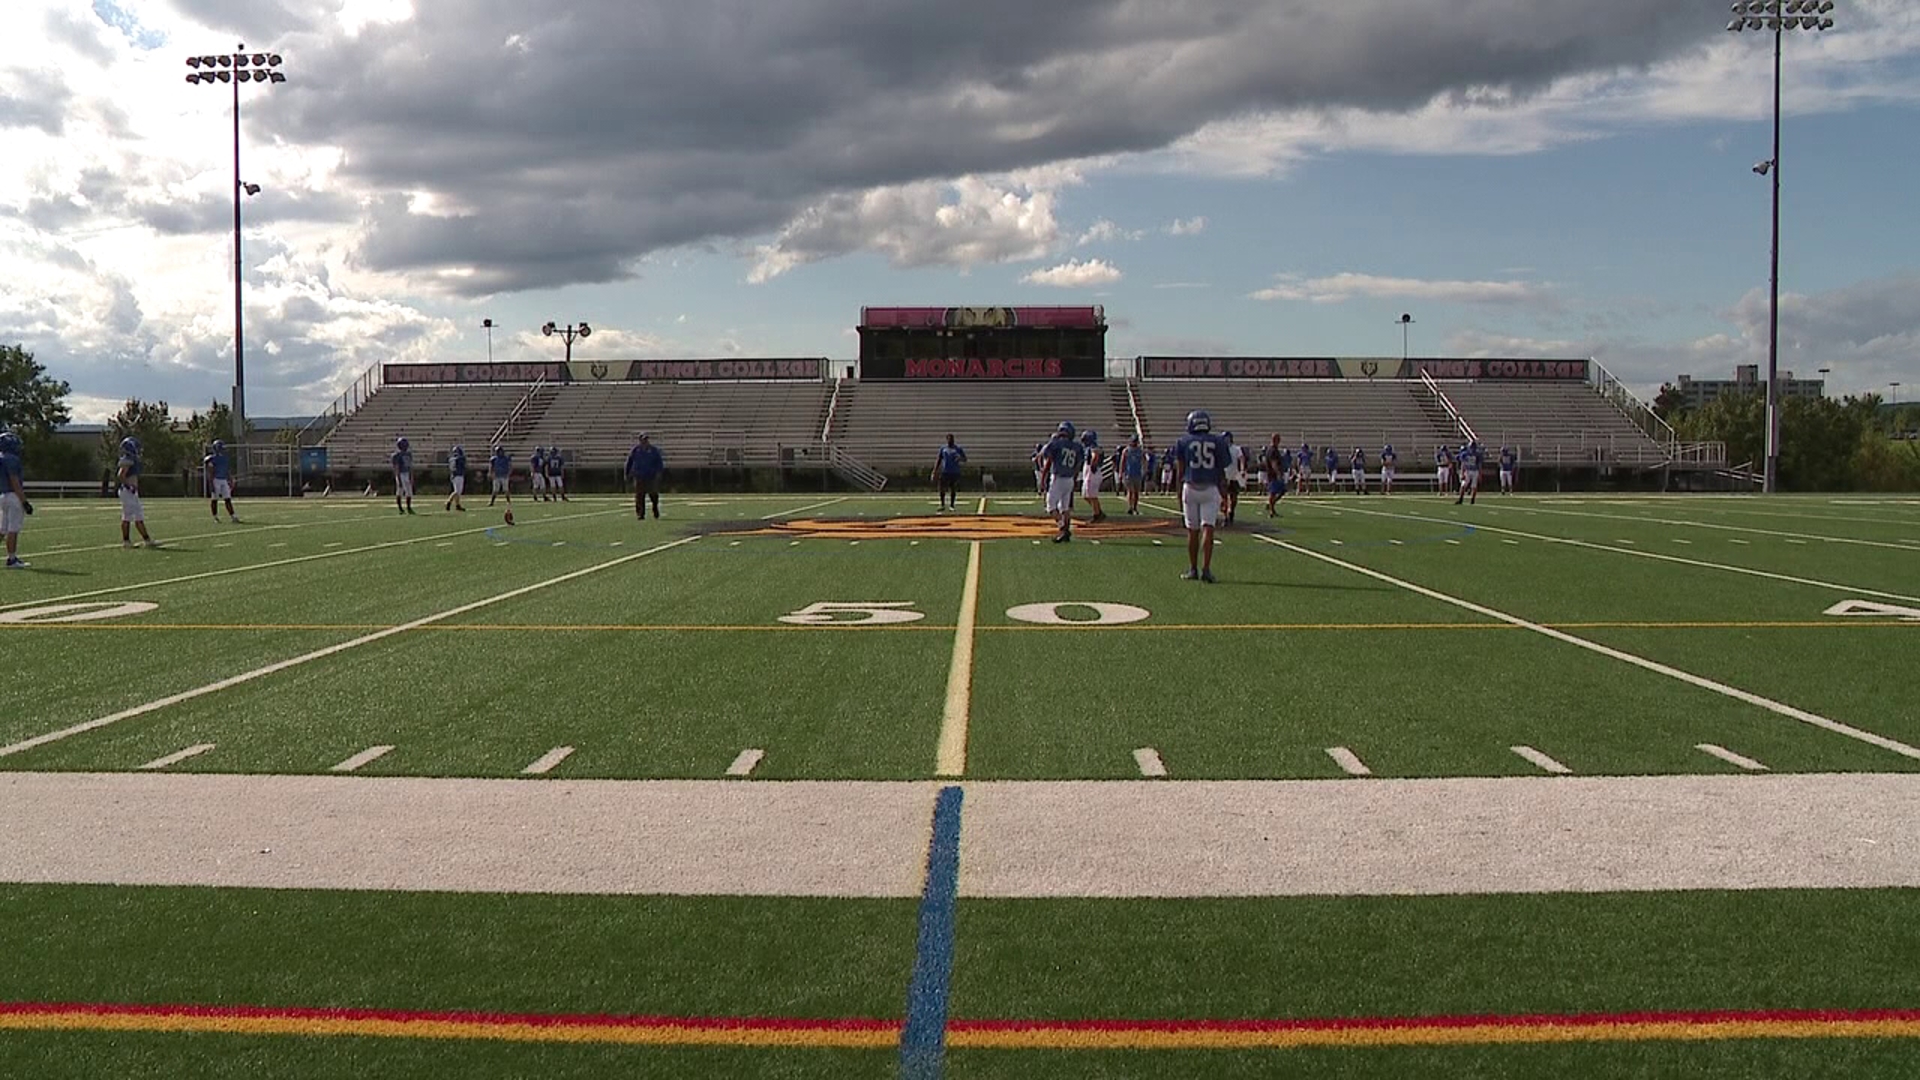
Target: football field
pixel 837 785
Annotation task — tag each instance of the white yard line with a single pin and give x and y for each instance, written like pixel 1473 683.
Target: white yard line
pixel 277 563
pixel 804 509
pixel 317 654
pixel 744 764
pixel 177 757
pixel 951 758
pixel 1730 757
pixel 1148 760
pixel 365 757
pixel 1799 537
pixel 1348 761
pixel 1542 761
pixel 231 531
pixel 1642 554
pixel 1642 662
pixel 546 762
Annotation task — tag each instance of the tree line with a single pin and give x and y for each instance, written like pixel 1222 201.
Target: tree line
pixel 1826 444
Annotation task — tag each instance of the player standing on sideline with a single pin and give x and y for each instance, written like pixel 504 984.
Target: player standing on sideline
pixel 1304 463
pixel 1332 462
pixel 500 475
pixel 1509 462
pixel 132 513
pixel 1274 461
pixel 1200 461
pixel 457 472
pixel 1092 479
pixel 1387 458
pixel 1166 469
pixel 1134 464
pixel 1358 466
pixel 221 479
pixel 14 506
pixel 402 461
pixel 1040 468
pixel 644 466
pixel 946 473
pixel 1060 463
pixel 556 475
pixel 1469 474
pixel 1443 469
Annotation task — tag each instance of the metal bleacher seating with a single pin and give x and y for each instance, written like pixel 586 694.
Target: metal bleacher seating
pixel 692 423
pixel 432 418
pixel 1343 414
pixel 1552 423
pixel 899 425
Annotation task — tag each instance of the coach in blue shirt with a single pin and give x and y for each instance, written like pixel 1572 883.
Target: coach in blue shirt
pixel 644 466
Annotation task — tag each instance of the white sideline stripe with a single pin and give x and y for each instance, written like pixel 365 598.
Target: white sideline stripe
pixel 1856 590
pixel 317 654
pixel 1743 543
pixel 546 762
pixel 364 757
pixel 202 536
pixel 1730 757
pixel 1348 761
pixel 449 543
pixel 804 509
pixel 951 758
pixel 1655 666
pixel 743 765
pixel 1543 761
pixel 274 563
pixel 1149 761
pixel 178 756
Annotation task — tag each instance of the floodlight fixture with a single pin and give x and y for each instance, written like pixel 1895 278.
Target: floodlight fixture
pixel 568 334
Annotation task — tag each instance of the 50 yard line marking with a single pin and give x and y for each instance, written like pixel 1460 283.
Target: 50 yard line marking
pixel 1654 666
pixel 317 654
pixel 951 758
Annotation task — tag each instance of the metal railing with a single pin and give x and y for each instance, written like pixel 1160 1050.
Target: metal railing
pixel 1133 404
pixel 1637 412
pixel 1447 403
pixel 854 471
pixel 363 387
pixel 519 407
pixel 833 409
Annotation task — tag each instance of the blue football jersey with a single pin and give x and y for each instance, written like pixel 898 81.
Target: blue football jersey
pixel 1205 457
pixel 950 459
pixel 1066 456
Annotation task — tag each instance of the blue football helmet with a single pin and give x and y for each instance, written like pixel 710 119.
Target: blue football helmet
pixel 459 450
pixel 219 447
pixel 129 445
pixel 9 442
pixel 1389 449
pixel 1065 429
pixel 499 449
pixel 1089 437
pixel 400 442
pixel 1227 435
pixel 1198 422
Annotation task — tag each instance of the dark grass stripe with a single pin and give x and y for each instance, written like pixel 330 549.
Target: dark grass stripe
pixel 923 1041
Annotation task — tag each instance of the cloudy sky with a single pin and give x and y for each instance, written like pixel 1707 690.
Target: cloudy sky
pixel 738 177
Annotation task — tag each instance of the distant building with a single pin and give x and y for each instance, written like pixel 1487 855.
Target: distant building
pixel 1746 380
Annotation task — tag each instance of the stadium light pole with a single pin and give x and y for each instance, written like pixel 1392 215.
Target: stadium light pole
pixel 1778 16
pixel 487 324
pixel 1823 379
pixel 1405 321
pixel 233 69
pixel 567 333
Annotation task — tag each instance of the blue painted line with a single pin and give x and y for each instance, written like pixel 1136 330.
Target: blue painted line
pixel 923 1040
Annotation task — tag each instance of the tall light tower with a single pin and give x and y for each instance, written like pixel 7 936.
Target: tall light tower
pixel 1778 16
pixel 568 333
pixel 487 325
pixel 1405 321
pixel 236 68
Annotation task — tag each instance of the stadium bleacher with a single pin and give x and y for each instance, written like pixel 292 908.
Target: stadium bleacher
pixel 703 422
pixel 433 418
pixel 1339 413
pixel 1552 423
pixel 896 425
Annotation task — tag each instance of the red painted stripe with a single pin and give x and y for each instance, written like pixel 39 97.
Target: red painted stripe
pixel 249 1012
pixel 1363 1023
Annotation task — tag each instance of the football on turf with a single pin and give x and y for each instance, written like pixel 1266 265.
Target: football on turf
pixel 509 517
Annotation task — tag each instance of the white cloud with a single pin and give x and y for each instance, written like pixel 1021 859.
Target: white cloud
pixel 1345 286
pixel 1106 232
pixel 1187 226
pixel 1074 274
pixel 966 222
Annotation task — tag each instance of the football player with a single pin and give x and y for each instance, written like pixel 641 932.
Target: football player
pixel 1469 473
pixel 1387 460
pixel 14 506
pixel 1332 461
pixel 1200 461
pixel 1443 469
pixel 1135 464
pixel 457 472
pixel 946 473
pixel 1060 467
pixel 500 473
pixel 1357 465
pixel 556 475
pixel 1304 463
pixel 1235 475
pixel 1509 463
pixel 1275 461
pixel 402 462
pixel 1091 479
pixel 132 513
pixel 537 472
pixel 221 479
